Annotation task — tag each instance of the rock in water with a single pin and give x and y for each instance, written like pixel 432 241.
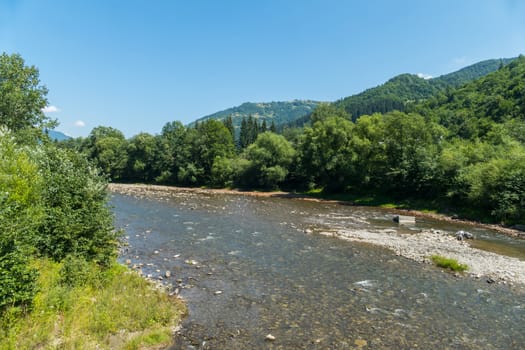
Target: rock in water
pixel 403 219
pixel 269 337
pixel 460 235
pixel 167 274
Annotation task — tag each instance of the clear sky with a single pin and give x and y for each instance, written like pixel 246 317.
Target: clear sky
pixel 135 65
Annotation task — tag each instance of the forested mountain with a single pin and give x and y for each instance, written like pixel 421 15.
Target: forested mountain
pixel 277 112
pixel 472 110
pixel 404 89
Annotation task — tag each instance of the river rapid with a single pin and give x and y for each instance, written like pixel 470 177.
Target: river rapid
pixel 248 267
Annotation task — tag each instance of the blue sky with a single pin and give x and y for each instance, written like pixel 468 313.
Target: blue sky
pixel 135 65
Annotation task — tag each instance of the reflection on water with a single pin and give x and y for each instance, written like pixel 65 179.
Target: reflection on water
pixel 249 267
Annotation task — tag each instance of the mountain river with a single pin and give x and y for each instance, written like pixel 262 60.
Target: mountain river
pixel 248 267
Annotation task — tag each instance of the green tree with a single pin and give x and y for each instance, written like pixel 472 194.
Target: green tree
pixel 107 147
pixel 269 158
pixel 22 98
pixel 143 157
pixel 212 140
pixel 327 153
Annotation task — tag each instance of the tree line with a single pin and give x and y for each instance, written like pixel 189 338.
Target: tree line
pixel 463 145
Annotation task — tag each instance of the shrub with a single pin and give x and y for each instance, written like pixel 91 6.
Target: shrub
pixel 448 263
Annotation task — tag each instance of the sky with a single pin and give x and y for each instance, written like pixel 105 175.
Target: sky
pixel 136 65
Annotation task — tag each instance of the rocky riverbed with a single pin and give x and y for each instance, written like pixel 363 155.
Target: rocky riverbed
pixel 422 245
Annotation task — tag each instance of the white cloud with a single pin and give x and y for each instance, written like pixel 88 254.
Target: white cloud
pixel 80 124
pixel 424 76
pixel 50 109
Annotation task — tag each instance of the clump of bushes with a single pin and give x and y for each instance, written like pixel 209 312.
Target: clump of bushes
pixel 448 263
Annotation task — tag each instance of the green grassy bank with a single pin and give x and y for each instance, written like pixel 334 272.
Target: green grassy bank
pixel 81 306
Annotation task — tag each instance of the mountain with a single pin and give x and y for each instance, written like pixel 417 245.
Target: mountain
pixel 471 110
pixel 405 89
pixel 57 135
pixel 278 112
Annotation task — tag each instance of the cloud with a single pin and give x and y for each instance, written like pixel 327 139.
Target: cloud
pixel 424 76
pixel 50 109
pixel 80 124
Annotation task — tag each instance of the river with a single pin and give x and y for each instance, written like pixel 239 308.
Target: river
pixel 248 267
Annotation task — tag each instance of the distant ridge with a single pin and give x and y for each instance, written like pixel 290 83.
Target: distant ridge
pixel 276 112
pixel 57 135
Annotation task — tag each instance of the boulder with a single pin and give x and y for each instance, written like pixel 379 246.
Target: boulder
pixel 461 235
pixel 404 219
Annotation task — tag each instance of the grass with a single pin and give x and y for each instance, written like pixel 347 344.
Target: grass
pixel 109 309
pixel 448 263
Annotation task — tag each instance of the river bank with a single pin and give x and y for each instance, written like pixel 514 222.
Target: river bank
pixel 418 247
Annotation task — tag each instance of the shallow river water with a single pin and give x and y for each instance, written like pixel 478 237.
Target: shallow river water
pixel 248 267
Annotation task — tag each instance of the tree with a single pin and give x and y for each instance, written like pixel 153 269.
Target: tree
pixel 269 158
pixel 107 147
pixel 212 140
pixel 327 153
pixel 22 98
pixel 142 158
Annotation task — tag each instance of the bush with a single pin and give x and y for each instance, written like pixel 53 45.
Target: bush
pixel 77 219
pixel 448 263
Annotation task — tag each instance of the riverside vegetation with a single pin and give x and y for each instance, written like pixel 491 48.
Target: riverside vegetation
pixel 60 284
pixel 458 147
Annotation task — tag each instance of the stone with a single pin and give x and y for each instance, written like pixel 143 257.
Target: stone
pixel 269 337
pixel 167 274
pixel 460 235
pixel 403 219
pixel 128 261
pixel 218 292
pixel 490 280
pixel 360 342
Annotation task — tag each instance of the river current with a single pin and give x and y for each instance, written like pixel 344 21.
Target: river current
pixel 248 267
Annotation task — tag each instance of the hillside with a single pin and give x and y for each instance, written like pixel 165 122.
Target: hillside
pixel 404 89
pixel 470 110
pixel 278 112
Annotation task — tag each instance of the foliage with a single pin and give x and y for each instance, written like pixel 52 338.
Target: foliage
pixel 448 263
